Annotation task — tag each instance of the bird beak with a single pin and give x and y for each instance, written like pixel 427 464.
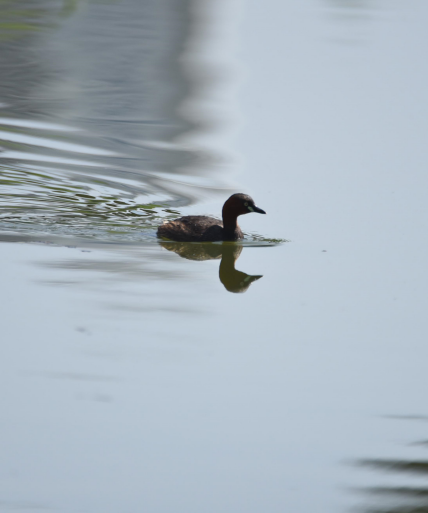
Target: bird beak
pixel 257 209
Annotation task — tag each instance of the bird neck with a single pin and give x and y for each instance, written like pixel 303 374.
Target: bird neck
pixel 230 222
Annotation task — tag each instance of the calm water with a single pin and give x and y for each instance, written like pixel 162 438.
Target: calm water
pixel 286 373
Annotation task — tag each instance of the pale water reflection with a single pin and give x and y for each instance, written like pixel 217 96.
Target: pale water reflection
pixel 97 103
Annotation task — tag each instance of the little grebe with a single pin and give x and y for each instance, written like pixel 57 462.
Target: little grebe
pixel 203 228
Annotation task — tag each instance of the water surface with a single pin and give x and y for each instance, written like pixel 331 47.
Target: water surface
pixel 286 373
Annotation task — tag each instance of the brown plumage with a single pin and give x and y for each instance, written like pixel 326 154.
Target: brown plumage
pixel 203 228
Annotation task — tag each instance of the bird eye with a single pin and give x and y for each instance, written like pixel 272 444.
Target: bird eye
pixel 246 203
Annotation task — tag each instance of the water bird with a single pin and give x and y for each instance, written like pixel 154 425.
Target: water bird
pixel 210 229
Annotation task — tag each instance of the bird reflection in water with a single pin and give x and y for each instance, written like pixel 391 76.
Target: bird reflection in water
pixel 229 252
